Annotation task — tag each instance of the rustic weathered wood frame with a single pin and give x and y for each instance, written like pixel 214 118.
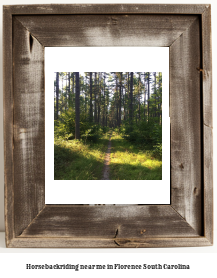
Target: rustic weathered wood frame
pixel 186 29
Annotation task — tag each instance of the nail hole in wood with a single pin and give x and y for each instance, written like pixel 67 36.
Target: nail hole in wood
pixel 30 42
pixel 195 190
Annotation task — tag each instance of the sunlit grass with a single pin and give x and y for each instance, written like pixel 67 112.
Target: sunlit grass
pixel 130 162
pixel 75 160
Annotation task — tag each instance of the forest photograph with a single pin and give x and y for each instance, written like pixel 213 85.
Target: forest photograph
pixel 108 126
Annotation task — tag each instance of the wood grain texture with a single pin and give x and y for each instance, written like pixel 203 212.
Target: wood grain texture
pixel 107 30
pixel 109 222
pixel 207 67
pixel 69 242
pixel 29 223
pixel 106 9
pixel 207 122
pixel 29 145
pixel 8 125
pixel 185 113
pixel 208 182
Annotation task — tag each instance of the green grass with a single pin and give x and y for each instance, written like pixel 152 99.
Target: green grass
pixel 75 160
pixel 130 162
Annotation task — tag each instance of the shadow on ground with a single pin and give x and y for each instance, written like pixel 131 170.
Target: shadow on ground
pixel 74 165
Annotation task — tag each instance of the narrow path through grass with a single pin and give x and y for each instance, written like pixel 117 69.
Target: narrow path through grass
pixel 118 160
pixel 107 161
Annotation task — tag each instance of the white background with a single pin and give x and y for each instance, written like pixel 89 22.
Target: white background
pixel 102 192
pixel 202 259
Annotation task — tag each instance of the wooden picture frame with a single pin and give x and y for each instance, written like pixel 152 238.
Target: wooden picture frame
pixel 188 220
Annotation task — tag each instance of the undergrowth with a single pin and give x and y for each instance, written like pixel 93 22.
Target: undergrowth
pixel 84 159
pixel 77 160
pixel 131 162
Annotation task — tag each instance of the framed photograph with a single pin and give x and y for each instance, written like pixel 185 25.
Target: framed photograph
pixel 125 32
pixel 135 148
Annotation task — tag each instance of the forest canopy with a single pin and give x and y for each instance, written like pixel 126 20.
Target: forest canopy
pixel 90 104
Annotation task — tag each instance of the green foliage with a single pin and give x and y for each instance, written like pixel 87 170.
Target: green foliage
pixel 74 160
pixel 130 162
pixel 64 127
pixel 105 129
pixel 92 134
pixel 77 160
pixel 146 133
pixel 158 150
pixel 109 102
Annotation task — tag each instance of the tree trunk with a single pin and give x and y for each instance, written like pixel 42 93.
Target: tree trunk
pixel 139 96
pixel 107 107
pixel 148 93
pixel 73 88
pixel 155 95
pixel 144 94
pixel 120 99
pixel 128 92
pixel 77 108
pixel 160 93
pixel 62 103
pixel 124 101
pixel 69 97
pixel 131 99
pixel 116 100
pixel 99 97
pixel 91 104
pixel 57 95
pixel 95 98
pixel 103 121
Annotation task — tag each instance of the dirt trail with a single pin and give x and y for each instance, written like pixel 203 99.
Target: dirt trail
pixel 107 160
